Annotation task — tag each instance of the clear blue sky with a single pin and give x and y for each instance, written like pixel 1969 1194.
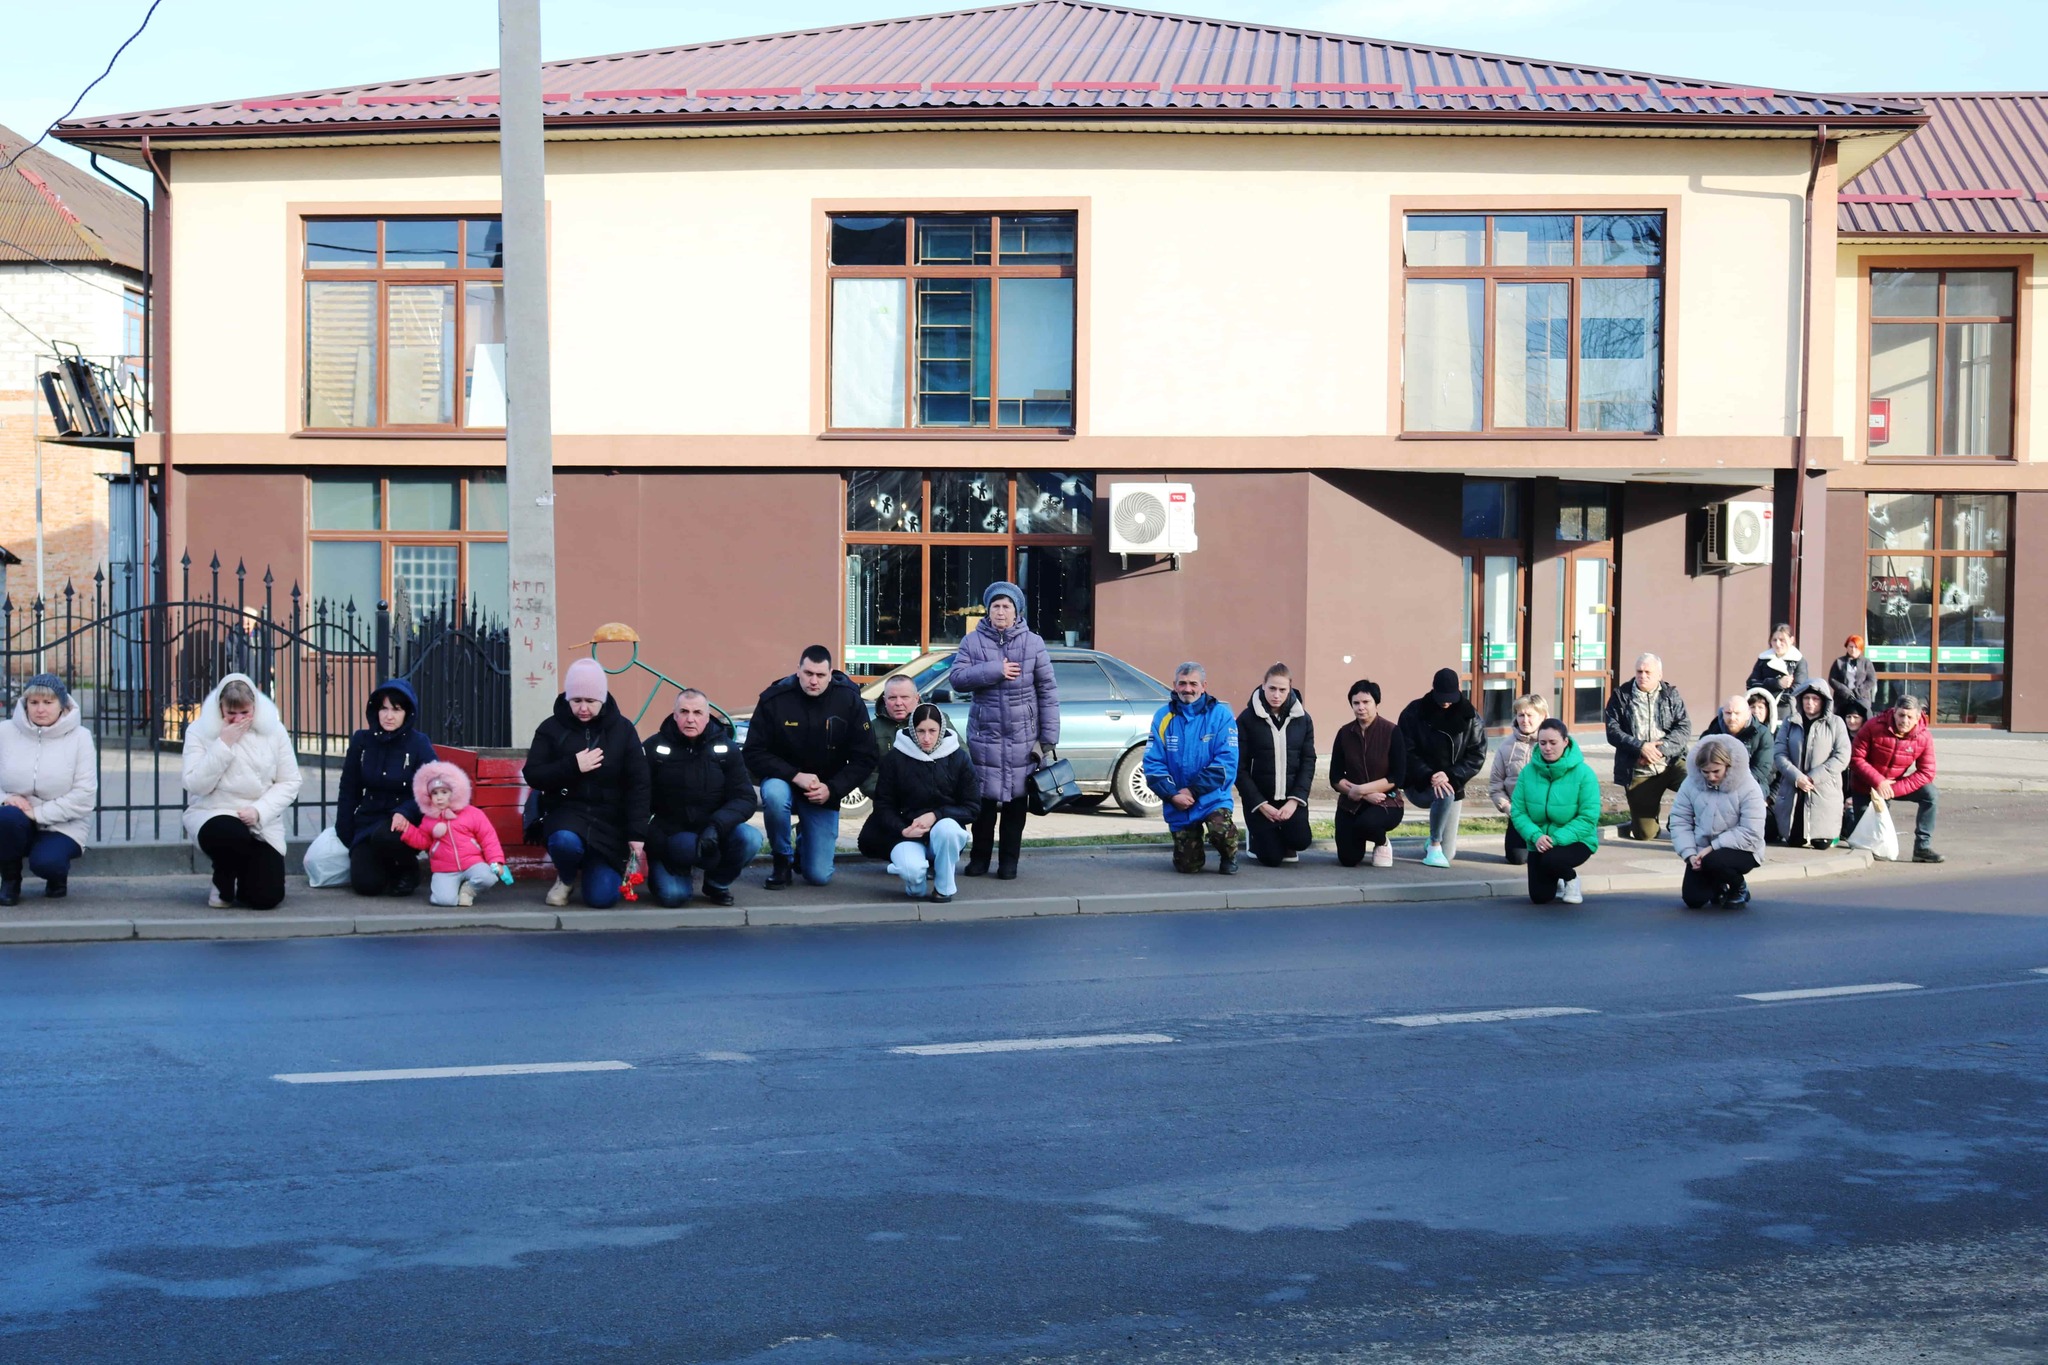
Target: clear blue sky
pixel 198 51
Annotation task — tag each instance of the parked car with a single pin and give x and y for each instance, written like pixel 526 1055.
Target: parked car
pixel 1106 708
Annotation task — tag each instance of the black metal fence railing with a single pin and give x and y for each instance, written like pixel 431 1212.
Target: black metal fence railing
pixel 140 672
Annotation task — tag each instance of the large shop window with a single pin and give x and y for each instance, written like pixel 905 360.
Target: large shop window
pixel 1938 599
pixel 921 547
pixel 405 324
pixel 1531 323
pixel 1941 353
pixel 424 543
pixel 952 320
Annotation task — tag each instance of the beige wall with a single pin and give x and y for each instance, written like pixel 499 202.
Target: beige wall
pixel 1236 286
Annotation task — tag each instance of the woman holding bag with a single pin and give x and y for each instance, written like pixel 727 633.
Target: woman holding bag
pixel 1013 720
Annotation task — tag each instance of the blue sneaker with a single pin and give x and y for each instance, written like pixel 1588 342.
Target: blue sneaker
pixel 1435 857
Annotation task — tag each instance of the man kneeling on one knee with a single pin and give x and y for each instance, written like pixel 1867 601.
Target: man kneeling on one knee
pixel 1191 760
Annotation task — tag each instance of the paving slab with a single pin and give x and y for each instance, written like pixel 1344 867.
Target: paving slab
pixel 257 924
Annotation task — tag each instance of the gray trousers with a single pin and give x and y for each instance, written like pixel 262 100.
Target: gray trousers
pixel 444 885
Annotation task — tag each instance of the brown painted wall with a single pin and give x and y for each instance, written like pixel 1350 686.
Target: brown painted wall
pixel 1708 629
pixel 2026 631
pixel 1847 578
pixel 256 518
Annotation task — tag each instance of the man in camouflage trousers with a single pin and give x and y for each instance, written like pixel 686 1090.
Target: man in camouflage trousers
pixel 1192 762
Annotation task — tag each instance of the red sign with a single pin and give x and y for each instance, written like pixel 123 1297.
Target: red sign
pixel 1880 421
pixel 1176 497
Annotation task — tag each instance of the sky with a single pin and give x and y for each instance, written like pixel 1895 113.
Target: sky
pixel 198 51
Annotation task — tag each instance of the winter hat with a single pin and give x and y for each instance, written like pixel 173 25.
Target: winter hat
pixel 1009 590
pixel 437 774
pixel 53 683
pixel 586 678
pixel 1444 689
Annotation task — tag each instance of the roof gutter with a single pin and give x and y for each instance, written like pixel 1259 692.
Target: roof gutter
pixel 1795 578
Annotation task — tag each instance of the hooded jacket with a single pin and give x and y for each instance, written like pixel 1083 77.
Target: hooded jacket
pixel 697 783
pixel 1880 753
pixel 260 772
pixel 1509 759
pixel 941 783
pixel 606 807
pixel 462 840
pixel 1667 713
pixel 1007 715
pixel 1561 799
pixel 886 727
pixel 1192 746
pixel 1759 749
pixel 1441 739
pixel 1731 815
pixel 54 767
pixel 376 776
pixel 1769 668
pixel 1276 751
pixel 829 735
pixel 1817 749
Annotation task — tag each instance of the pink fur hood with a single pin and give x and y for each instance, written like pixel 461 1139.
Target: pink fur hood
pixel 431 774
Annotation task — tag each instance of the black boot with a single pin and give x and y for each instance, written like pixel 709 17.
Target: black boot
pixel 1737 894
pixel 57 888
pixel 779 874
pixel 1006 869
pixel 10 883
pixel 1009 839
pixel 1228 865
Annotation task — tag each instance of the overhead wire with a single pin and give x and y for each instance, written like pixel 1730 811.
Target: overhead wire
pixel 148 14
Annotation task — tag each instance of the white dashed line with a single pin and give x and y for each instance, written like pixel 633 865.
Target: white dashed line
pixel 1478 1017
pixel 1822 992
pixel 2040 971
pixel 440 1073
pixel 1032 1044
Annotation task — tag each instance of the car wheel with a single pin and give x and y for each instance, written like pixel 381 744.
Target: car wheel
pixel 1128 786
pixel 854 800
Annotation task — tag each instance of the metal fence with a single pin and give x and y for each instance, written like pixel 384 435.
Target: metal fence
pixel 140 672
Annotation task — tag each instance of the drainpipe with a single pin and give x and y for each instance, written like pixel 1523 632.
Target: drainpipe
pixel 148 340
pixel 160 413
pixel 1796 578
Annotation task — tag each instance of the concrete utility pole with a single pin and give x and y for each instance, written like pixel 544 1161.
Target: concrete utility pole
pixel 529 444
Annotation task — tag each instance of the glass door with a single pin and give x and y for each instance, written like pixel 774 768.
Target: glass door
pixel 1493 648
pixel 1585 636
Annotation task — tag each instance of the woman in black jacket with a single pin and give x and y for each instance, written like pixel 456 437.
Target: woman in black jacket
pixel 1446 749
pixel 1276 763
pixel 1852 678
pixel 588 768
pixel 927 796
pixel 376 786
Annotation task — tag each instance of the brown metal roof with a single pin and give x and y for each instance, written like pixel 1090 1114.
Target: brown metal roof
pixel 52 211
pixel 1038 57
pixel 1978 169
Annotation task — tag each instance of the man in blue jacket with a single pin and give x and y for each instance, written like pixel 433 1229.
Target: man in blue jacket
pixel 1192 762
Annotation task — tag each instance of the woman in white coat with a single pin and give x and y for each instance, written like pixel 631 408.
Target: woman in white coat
pixel 49 783
pixel 241 776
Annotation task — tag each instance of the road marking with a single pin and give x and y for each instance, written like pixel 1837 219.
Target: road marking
pixel 439 1073
pixel 1478 1017
pixel 2043 971
pixel 1032 1044
pixel 1822 992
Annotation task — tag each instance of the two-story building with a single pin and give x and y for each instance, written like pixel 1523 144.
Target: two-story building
pixel 1456 351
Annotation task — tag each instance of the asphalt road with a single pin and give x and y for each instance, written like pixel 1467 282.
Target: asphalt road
pixel 1679 1175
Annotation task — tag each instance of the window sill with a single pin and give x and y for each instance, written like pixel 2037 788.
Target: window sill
pixel 1530 436
pixel 390 434
pixel 953 434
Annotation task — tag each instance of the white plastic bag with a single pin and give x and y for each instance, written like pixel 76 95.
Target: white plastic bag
pixel 326 860
pixel 1876 832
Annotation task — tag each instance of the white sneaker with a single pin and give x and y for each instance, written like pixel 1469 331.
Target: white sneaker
pixel 466 895
pixel 213 900
pixel 558 894
pixel 1383 855
pixel 1569 893
pixel 1291 858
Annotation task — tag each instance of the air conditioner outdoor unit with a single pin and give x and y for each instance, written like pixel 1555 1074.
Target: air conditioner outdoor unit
pixel 1151 518
pixel 1739 533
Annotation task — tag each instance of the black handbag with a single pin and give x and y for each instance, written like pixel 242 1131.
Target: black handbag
pixel 1052 784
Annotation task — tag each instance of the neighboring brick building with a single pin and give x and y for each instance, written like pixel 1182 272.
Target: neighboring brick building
pixel 71 271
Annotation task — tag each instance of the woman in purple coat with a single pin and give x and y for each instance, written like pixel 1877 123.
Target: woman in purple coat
pixel 1015 715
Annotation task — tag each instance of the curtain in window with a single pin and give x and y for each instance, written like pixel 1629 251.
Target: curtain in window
pixel 867 353
pixel 341 354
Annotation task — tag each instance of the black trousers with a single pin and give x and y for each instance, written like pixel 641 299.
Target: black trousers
pixel 1009 841
pixel 1720 870
pixel 1272 841
pixel 381 863
pixel 1555 864
pixel 1518 847
pixel 1369 824
pixel 245 869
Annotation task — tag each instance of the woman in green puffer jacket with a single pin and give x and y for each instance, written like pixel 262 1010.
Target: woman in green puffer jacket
pixel 1557 812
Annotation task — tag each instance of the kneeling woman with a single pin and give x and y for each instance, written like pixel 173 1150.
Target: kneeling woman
pixel 1717 823
pixel 49 780
pixel 924 801
pixel 241 776
pixel 590 772
pixel 1556 810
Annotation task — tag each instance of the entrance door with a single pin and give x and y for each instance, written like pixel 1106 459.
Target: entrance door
pixel 1585 637
pixel 1494 653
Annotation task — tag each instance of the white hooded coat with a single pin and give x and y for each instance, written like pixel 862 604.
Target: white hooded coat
pixel 1705 818
pixel 261 771
pixel 54 767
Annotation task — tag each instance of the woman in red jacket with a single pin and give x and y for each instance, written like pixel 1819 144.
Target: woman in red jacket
pixel 1892 758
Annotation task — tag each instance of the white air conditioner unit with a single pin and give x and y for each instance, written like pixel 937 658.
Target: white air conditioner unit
pixel 1151 518
pixel 1739 533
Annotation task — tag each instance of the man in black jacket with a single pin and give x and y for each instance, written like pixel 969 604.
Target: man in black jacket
pixel 702 799
pixel 1276 764
pixel 809 743
pixel 1651 733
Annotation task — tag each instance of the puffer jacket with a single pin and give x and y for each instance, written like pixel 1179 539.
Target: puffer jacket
pixel 1728 816
pixel 1561 799
pixel 1007 715
pixel 1509 759
pixel 1448 740
pixel 1276 753
pixel 1879 753
pixel 376 776
pixel 698 783
pixel 1667 713
pixel 1193 747
pixel 463 838
pixel 1765 673
pixel 1817 749
pixel 915 783
pixel 1757 744
pixel 260 772
pixel 828 736
pixel 53 766
pixel 606 807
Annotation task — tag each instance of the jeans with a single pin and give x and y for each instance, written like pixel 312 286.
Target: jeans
pixel 1646 796
pixel 245 869
pixel 49 853
pixel 817 829
pixel 1444 814
pixel 1923 824
pixel 1558 863
pixel 1369 824
pixel 1271 841
pixel 601 881
pixel 671 863
pixel 911 859
pixel 1721 870
pixel 442 886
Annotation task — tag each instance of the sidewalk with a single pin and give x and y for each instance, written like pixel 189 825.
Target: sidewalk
pixel 1095 880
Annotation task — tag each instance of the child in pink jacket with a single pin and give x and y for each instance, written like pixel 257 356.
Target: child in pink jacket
pixel 464 850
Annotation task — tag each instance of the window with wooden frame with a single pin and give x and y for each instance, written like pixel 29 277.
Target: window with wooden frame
pixel 1939 595
pixel 1941 354
pixel 921 547
pixel 404 324
pixel 1533 323
pixel 952 321
pixel 432 542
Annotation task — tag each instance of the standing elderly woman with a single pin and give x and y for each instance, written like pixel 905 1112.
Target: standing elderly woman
pixel 590 771
pixel 924 798
pixel 1556 810
pixel 1813 753
pixel 241 776
pixel 49 780
pixel 376 796
pixel 1013 719
pixel 1717 823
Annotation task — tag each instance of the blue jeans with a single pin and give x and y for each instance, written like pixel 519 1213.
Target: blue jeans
pixel 817 829
pixel 938 853
pixel 600 880
pixel 669 865
pixel 49 853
